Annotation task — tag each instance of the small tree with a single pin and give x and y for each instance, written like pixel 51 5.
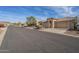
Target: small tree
pixel 40 22
pixel 31 21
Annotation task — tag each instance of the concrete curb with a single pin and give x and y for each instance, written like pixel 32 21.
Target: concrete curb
pixel 2 35
pixel 61 34
pixel 71 35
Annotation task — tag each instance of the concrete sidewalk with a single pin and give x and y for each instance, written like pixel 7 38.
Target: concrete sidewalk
pixel 55 30
pixel 2 34
pixel 58 31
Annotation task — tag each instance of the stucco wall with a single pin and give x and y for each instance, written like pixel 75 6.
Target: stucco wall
pixel 45 25
pixel 58 24
pixel 62 24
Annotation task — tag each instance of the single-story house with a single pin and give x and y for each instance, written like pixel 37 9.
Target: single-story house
pixel 4 23
pixel 59 22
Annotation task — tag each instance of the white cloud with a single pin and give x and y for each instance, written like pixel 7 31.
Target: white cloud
pixel 68 11
pixel 65 11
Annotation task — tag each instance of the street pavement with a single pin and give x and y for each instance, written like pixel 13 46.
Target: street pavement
pixel 24 40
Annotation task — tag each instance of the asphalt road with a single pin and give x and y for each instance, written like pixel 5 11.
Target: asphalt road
pixel 22 40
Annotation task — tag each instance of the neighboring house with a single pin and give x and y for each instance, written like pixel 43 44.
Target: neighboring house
pixel 4 24
pixel 59 23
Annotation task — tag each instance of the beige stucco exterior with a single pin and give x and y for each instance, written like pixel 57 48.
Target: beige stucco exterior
pixel 57 23
pixel 4 23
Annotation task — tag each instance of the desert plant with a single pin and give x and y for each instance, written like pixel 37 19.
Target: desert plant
pixel 31 21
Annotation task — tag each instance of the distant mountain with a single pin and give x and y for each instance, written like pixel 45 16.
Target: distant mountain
pixel 4 22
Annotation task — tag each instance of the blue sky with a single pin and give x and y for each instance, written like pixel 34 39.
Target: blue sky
pixel 19 13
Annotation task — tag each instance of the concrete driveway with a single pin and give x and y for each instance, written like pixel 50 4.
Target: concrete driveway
pixel 54 30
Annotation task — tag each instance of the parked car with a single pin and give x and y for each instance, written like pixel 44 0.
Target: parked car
pixel 25 26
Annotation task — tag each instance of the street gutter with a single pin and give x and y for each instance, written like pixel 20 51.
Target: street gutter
pixel 61 33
